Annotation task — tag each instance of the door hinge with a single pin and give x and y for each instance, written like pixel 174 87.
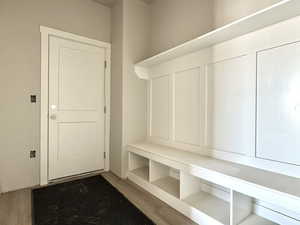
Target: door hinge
pixel 104 154
pixel 105 64
pixel 104 109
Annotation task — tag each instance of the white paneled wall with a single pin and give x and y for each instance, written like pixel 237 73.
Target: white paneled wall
pixel 160 105
pixel 237 101
pixel 278 114
pixel 231 105
pixel 189 93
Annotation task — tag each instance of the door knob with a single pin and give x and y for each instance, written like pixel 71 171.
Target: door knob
pixel 53 117
pixel 53 107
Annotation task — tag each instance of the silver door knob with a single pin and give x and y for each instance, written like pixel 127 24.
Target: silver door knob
pixel 53 117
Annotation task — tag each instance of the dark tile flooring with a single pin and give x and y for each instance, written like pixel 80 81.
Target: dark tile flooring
pixel 90 201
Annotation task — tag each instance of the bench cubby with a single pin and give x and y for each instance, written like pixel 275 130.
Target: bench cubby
pixel 165 178
pixel 242 211
pixel 211 191
pixel 205 197
pixel 139 166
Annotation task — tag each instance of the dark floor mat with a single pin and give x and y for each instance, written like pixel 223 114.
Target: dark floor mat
pixel 90 201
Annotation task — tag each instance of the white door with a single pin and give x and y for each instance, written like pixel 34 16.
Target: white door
pixel 76 108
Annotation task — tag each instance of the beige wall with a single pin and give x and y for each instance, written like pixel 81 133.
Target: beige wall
pixel 226 11
pixel 116 129
pixel 136 48
pixel 138 31
pixel 130 41
pixel 20 74
pixel 177 21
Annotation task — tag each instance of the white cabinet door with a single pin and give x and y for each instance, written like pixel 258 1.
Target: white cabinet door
pixel 278 104
pixel 76 108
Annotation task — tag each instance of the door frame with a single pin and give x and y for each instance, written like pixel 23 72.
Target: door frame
pixel 46 32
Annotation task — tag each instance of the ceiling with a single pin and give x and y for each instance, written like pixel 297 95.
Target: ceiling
pixel 110 3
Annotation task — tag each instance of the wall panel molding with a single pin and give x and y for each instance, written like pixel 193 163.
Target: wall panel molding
pixel 236 123
pixel 189 106
pixel 160 107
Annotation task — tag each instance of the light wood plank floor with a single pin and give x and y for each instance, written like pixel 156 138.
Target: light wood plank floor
pixel 15 207
pixel 159 212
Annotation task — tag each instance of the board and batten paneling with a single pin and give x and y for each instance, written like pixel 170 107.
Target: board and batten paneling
pixel 250 99
pixel 231 105
pixel 278 104
pixel 159 109
pixel 229 100
pixel 189 107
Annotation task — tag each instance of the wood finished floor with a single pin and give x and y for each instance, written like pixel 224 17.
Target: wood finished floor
pixel 15 207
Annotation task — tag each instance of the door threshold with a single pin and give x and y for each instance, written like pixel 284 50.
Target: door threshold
pixel 75 177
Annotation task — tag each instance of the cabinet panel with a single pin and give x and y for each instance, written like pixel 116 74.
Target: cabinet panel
pixel 159 107
pixel 278 104
pixel 189 106
pixel 231 105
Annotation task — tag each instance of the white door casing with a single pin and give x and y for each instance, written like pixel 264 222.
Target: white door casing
pixel 75 89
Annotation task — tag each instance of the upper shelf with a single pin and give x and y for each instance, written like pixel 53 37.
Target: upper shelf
pixel 276 13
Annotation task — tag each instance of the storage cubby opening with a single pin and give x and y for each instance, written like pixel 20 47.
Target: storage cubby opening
pixel 139 166
pixel 243 211
pixel 208 198
pixel 165 177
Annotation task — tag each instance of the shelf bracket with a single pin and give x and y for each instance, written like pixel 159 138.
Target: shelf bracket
pixel 142 72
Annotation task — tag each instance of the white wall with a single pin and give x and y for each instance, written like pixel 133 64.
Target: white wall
pixel 20 75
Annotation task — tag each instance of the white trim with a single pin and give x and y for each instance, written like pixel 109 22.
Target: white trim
pixel 45 33
pixel 44 109
pixel 75 37
pixel 107 105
